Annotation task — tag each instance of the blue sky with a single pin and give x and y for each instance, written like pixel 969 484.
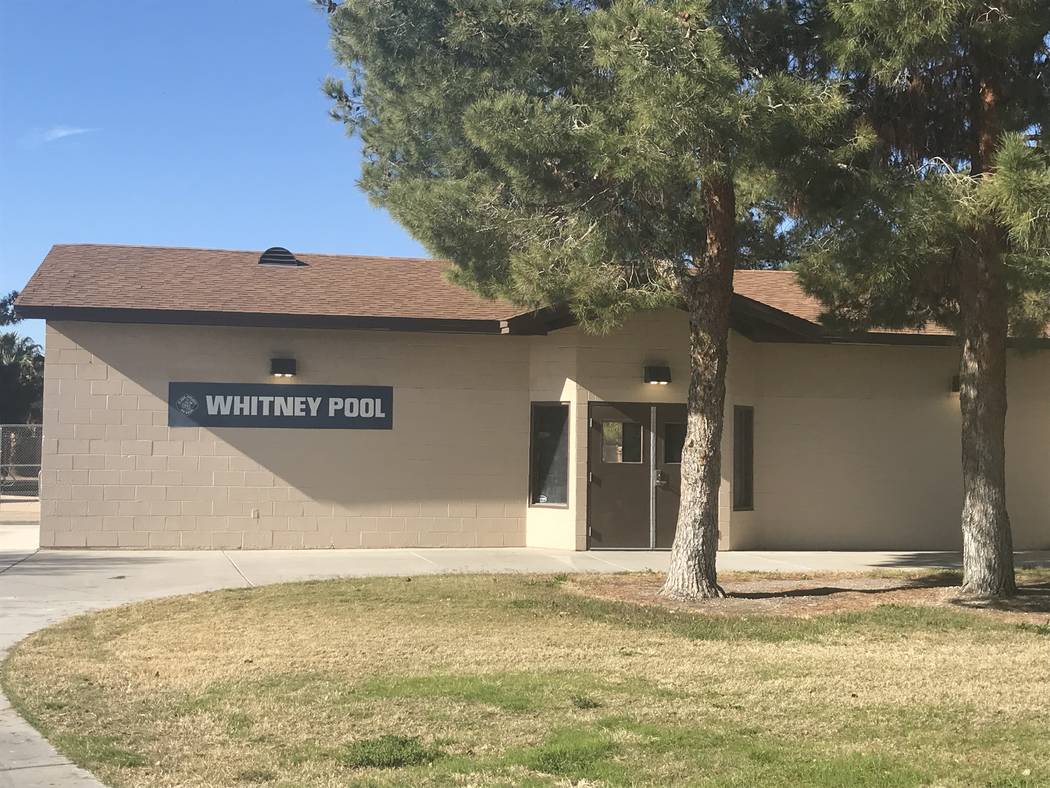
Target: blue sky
pixel 187 124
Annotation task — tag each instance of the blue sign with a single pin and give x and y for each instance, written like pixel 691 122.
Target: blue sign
pixel 288 405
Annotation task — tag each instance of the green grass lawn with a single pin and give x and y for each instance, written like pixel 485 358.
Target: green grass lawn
pixel 480 680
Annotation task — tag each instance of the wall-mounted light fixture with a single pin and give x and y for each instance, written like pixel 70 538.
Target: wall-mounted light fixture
pixel 282 367
pixel 956 384
pixel 659 376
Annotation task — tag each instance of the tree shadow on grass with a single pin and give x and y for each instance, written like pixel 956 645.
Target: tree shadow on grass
pixel 1032 596
pixel 939 579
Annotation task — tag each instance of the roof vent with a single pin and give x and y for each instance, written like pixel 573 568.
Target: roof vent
pixel 278 255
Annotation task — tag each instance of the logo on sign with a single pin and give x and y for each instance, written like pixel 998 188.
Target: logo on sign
pixel 187 403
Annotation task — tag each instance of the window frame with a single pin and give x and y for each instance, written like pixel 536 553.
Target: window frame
pixel 738 504
pixel 532 504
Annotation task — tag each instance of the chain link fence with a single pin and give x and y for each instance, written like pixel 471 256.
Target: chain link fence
pixel 20 446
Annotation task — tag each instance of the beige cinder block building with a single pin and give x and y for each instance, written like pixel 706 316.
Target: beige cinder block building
pixel 408 412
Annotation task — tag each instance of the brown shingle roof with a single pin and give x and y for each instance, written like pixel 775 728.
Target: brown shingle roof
pixel 208 281
pixel 781 290
pixel 778 289
pixel 86 276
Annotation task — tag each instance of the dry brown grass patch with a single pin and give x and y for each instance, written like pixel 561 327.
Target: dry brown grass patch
pixel 510 679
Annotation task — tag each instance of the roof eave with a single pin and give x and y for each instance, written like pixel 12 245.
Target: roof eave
pixel 260 319
pixel 753 319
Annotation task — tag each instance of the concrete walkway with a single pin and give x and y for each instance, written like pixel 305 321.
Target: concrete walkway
pixel 40 588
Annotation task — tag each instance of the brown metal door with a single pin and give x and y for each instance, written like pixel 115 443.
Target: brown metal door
pixel 667 471
pixel 619 457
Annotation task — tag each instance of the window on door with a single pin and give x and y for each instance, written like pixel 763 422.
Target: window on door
pixel 743 458
pixel 549 450
pixel 621 442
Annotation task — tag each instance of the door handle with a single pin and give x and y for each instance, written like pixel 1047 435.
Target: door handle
pixel 660 478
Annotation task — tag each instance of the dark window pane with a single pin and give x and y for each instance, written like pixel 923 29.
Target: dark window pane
pixel 674 440
pixel 632 442
pixel 743 457
pixel 549 481
pixel 621 441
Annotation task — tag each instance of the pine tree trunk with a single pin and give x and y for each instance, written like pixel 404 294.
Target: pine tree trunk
pixel 988 561
pixel 692 574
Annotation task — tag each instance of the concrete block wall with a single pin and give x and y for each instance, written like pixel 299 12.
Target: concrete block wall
pixel 453 472
pixel 858 447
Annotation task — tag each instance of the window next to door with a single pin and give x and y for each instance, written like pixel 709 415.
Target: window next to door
pixel 549 455
pixel 743 458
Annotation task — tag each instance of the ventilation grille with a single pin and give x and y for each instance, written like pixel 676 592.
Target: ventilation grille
pixel 278 255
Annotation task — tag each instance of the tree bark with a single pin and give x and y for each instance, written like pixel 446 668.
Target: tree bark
pixel 988 563
pixel 707 292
